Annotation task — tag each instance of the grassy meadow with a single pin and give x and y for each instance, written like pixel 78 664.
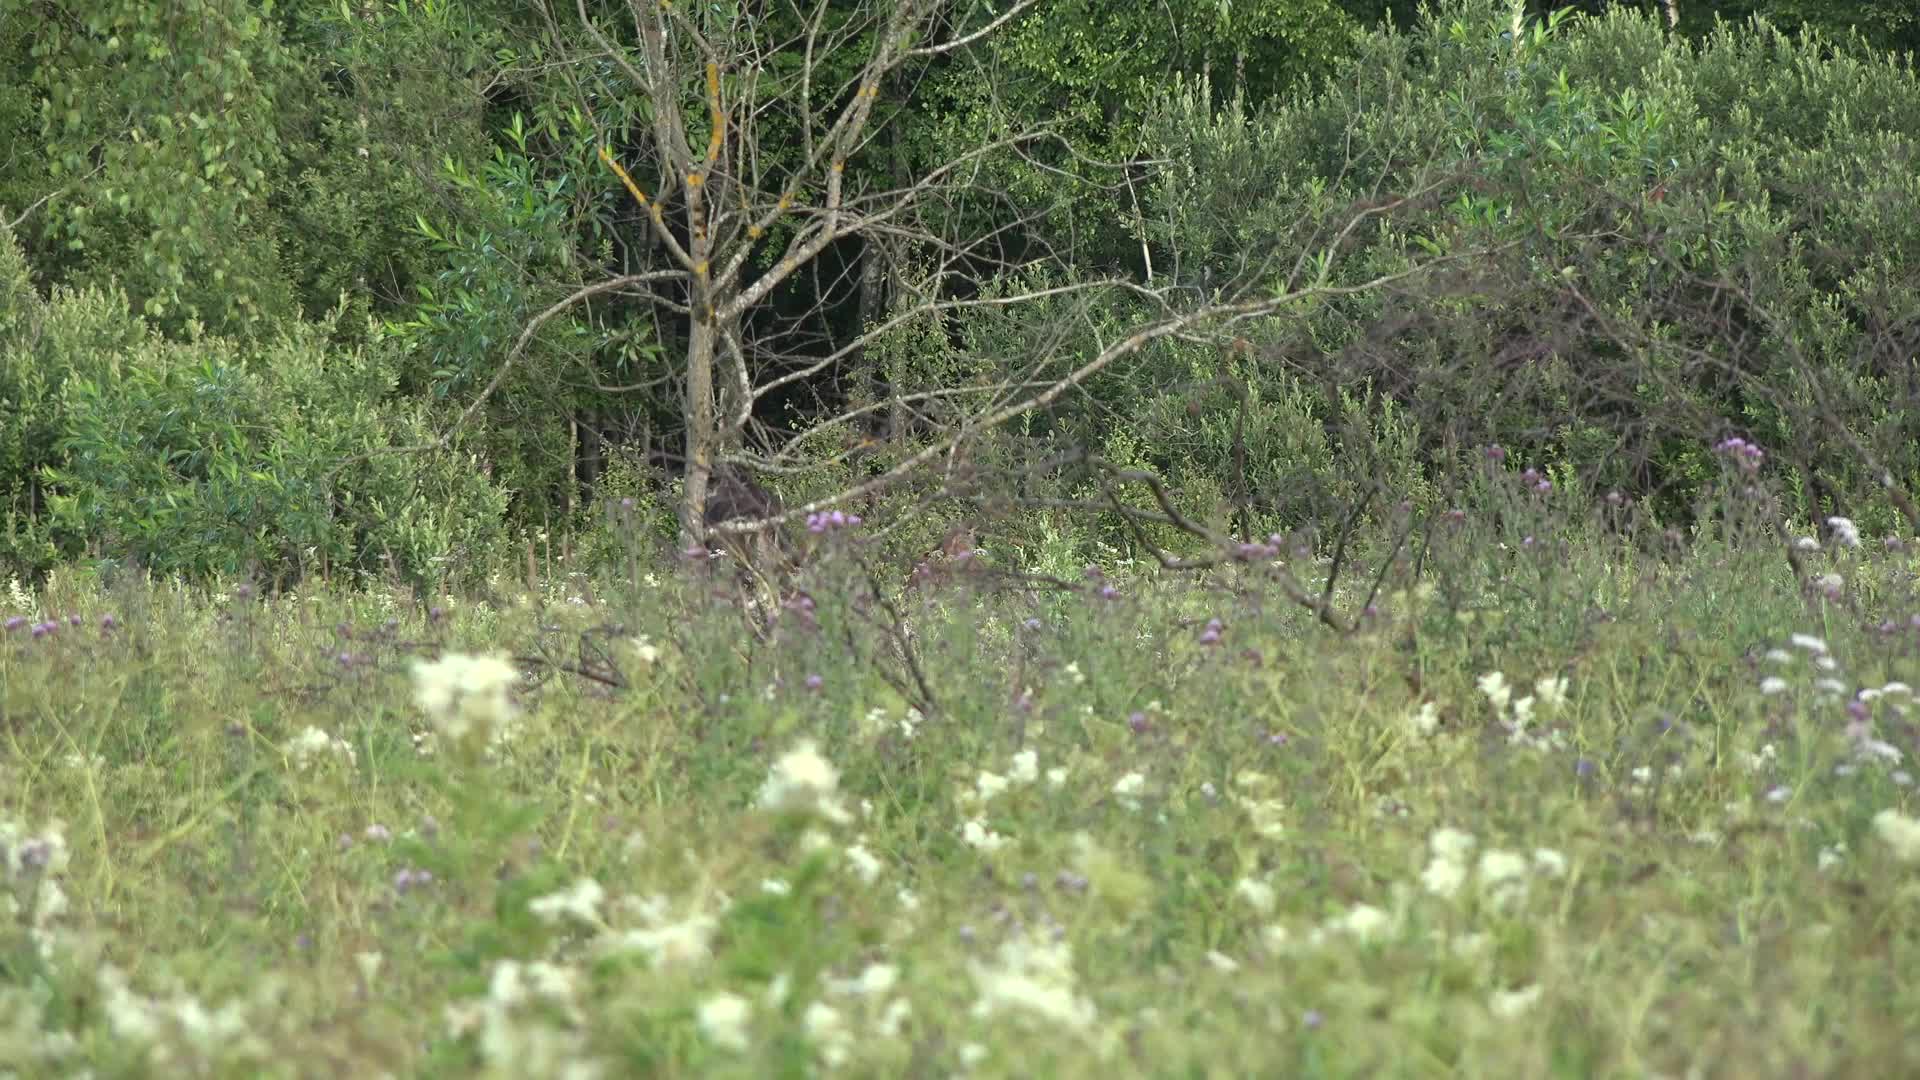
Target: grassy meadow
pixel 1573 801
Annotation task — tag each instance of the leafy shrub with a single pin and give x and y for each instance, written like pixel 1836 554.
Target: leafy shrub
pixel 211 456
pixel 1637 244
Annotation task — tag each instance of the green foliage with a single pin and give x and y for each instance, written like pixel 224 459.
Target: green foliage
pixel 1740 211
pixel 213 456
pixel 159 124
pixel 1088 73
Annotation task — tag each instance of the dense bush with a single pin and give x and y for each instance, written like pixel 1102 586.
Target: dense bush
pixel 1656 242
pixel 215 456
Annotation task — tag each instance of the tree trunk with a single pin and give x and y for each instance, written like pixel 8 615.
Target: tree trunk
pixel 702 435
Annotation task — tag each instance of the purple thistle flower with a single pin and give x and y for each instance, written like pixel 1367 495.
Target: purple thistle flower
pixel 1496 452
pixel 815 682
pixel 15 623
pixel 1138 722
pixel 41 630
pixel 108 622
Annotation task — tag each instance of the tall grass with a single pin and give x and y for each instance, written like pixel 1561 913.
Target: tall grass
pixel 1578 797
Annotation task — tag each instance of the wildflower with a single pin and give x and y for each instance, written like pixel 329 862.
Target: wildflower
pixel 976 835
pixel 1444 877
pixel 1808 642
pixel 1073 673
pixel 866 866
pixel 1425 720
pixel 1026 767
pixel 1503 876
pixel 988 786
pixel 465 694
pixel 828 1030
pixel 580 902
pixel 1900 832
pixel 875 981
pixel 1033 979
pixel 668 944
pixel 803 782
pixel 722 1020
pixel 1772 684
pixel 1845 532
pixel 1451 844
pixel 1221 962
pixel 1057 776
pixel 1549 862
pixel 1366 923
pixel 1551 690
pixel 1494 686
pixel 645 649
pixel 1509 1004
pixel 1128 790
pixel 1831 856
pixel 1258 894
pixel 313 745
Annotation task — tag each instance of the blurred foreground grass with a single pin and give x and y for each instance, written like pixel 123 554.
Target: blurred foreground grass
pixel 1562 810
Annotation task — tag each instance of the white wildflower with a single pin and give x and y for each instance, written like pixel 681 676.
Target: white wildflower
pixel 580 902
pixel 988 786
pixel 1808 642
pixel 313 745
pixel 1503 876
pixel 1129 788
pixel 1773 684
pixel 1494 685
pixel 1258 894
pixel 1026 767
pixel 1900 832
pixel 1425 720
pixel 465 695
pixel 866 865
pixel 1845 532
pixel 1551 690
pixel 1033 980
pixel 1366 923
pixel 723 1020
pixel 1510 1004
pixel 975 834
pixel 804 782
pixel 828 1032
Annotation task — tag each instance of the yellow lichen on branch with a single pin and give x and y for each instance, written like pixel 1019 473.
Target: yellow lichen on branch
pixel 638 196
pixel 719 114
